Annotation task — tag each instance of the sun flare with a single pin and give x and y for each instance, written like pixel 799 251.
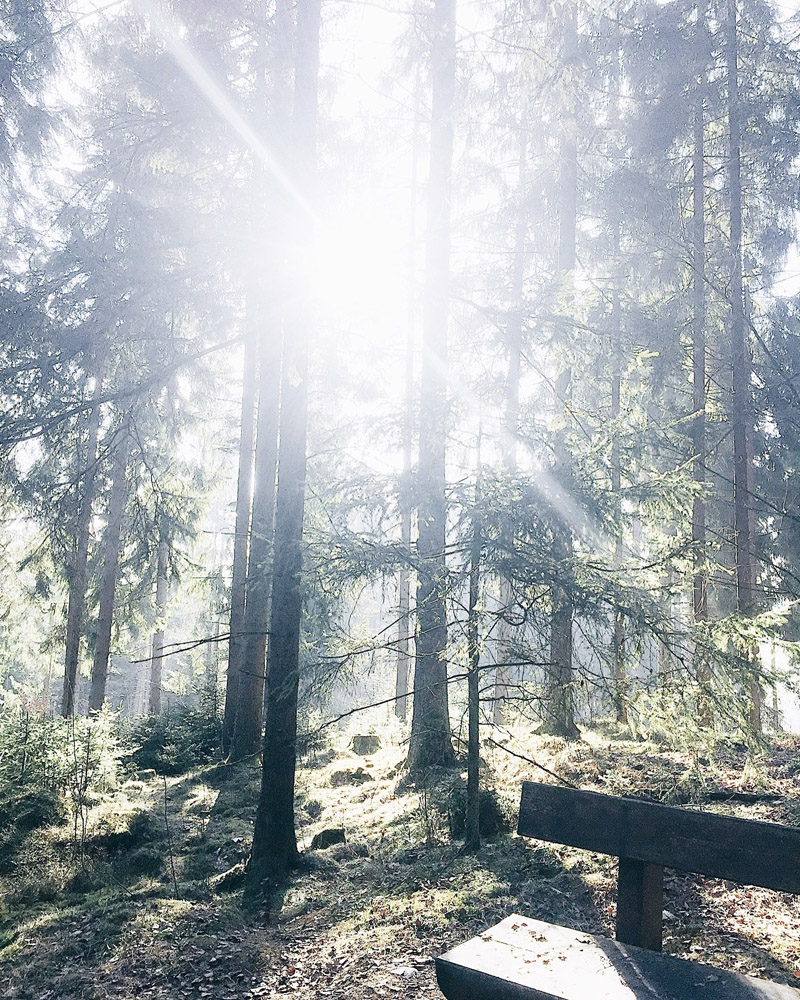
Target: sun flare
pixel 359 271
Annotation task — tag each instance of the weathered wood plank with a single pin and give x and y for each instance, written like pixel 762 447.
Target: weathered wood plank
pixel 742 850
pixel 525 959
pixel 640 902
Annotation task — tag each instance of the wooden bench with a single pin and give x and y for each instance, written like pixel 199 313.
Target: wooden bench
pixel 524 959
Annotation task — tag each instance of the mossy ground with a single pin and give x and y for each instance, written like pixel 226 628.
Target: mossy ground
pixel 133 907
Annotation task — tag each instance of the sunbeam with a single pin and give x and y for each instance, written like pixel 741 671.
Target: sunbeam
pixel 170 33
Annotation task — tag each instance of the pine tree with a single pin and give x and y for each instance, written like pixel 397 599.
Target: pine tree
pixel 76 601
pixel 430 725
pixel 274 849
pixel 244 501
pixel 120 447
pixel 699 376
pixel 741 402
pixel 162 593
pixel 559 703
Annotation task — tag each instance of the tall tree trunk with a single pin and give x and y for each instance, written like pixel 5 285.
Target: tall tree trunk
pixel 210 664
pixel 244 500
pixel 430 742
pixel 472 825
pixel 741 416
pixel 264 304
pixel 618 636
pixel 699 578
pixel 559 702
pixel 404 631
pixel 108 583
pixel 404 589
pixel 162 592
pixel 252 668
pixel 505 629
pixel 274 842
pixel 76 602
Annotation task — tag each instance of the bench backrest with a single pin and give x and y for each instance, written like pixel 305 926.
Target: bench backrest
pixel 742 850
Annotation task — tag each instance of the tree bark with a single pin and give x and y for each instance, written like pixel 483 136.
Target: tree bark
pixel 699 578
pixel 404 586
pixel 472 827
pixel 274 850
pixel 741 415
pixel 162 592
pixel 430 742
pixel 559 705
pixel 76 601
pixel 252 668
pixel 265 307
pixel 404 630
pixel 511 417
pixel 244 500
pixel 619 680
pixel 108 583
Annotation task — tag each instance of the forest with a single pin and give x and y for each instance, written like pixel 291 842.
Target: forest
pixel 398 399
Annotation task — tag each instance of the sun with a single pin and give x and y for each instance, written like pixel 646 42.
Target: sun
pixel 359 274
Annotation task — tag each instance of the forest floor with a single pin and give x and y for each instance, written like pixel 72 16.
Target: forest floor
pixel 150 916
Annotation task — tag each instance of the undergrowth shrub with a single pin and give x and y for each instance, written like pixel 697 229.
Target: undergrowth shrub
pixel 175 743
pixel 147 860
pixel 134 845
pixel 78 756
pixel 51 769
pixel 137 828
pixel 23 810
pixel 29 809
pixel 494 817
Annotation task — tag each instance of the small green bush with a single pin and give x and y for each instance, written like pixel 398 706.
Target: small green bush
pixel 143 861
pixel 493 817
pixel 175 743
pixel 85 880
pixel 40 870
pixel 23 810
pixel 141 829
pixel 29 808
pixel 313 808
pixel 78 757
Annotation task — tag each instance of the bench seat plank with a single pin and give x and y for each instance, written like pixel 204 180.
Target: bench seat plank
pixel 525 959
pixel 743 850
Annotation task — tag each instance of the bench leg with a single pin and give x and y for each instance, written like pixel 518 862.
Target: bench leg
pixel 640 901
